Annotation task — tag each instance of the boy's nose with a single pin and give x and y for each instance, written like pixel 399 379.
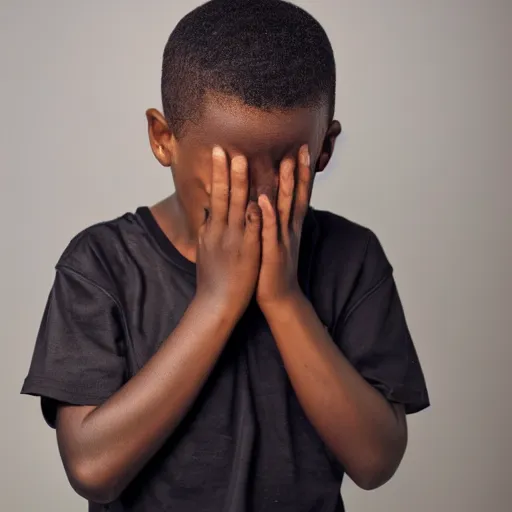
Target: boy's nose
pixel 263 179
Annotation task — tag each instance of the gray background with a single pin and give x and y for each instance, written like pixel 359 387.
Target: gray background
pixel 424 96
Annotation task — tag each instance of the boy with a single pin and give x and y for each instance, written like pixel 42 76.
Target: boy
pixel 191 357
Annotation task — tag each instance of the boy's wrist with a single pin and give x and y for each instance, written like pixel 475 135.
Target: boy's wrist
pixel 217 309
pixel 283 307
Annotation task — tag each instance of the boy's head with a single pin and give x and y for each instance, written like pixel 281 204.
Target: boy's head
pixel 256 77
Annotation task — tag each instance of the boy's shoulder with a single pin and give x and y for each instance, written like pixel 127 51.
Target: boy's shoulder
pixel 100 251
pixel 348 250
pixel 334 227
pixel 337 234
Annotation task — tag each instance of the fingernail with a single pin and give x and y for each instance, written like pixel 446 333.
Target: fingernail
pixel 217 151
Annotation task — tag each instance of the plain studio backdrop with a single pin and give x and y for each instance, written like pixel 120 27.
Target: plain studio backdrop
pixel 425 100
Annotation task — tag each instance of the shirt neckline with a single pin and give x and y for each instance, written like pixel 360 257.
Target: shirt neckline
pixel 164 243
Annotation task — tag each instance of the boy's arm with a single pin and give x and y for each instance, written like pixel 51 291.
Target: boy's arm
pixel 363 430
pixel 103 448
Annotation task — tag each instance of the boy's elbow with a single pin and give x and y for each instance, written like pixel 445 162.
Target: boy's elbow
pixel 377 471
pixel 371 478
pixel 382 463
pixel 92 483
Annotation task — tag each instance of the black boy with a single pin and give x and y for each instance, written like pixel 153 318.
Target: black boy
pixel 230 349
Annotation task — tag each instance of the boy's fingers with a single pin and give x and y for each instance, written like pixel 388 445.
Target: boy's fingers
pixel 253 222
pixel 220 186
pixel 269 229
pixel 285 193
pixel 303 189
pixel 239 191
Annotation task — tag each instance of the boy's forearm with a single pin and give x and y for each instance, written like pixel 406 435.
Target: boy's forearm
pixel 366 434
pixel 104 450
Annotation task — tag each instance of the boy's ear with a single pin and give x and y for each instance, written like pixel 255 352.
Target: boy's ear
pixel 328 146
pixel 161 138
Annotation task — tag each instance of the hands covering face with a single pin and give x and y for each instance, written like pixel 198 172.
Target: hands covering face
pixel 247 247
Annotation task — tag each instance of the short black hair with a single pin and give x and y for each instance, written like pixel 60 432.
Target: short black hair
pixel 270 54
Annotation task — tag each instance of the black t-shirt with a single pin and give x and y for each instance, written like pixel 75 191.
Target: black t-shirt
pixel 246 445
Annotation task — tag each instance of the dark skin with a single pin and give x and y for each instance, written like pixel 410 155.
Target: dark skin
pixel 243 181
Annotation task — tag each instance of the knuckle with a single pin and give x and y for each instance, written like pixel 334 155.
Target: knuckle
pixel 223 192
pixel 253 226
pixel 220 173
pixel 304 178
pixel 239 173
pixel 282 211
pixel 239 164
pixel 270 224
pixel 287 191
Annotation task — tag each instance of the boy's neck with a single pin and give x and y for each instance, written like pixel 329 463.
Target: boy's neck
pixel 179 228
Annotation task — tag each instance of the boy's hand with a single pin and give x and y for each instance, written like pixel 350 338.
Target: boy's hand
pixel 229 249
pixel 281 232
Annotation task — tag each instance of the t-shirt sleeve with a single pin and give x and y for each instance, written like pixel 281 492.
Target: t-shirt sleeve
pixel 373 334
pixel 78 356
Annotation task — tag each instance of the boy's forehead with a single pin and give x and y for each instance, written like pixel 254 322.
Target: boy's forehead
pixel 240 128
